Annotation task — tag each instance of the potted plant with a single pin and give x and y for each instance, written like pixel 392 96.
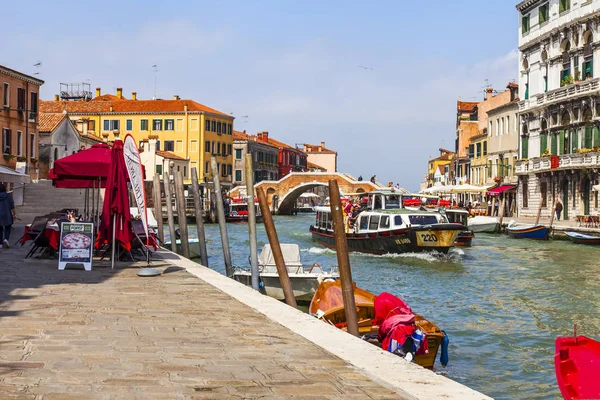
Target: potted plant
pixel 546 153
pixel 567 80
pixel 577 75
pixel 21 158
pixel 8 157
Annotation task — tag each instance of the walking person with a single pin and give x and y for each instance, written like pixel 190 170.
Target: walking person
pixel 496 207
pixel 7 215
pixel 558 207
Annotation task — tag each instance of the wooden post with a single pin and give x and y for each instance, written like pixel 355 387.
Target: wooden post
pixel 221 217
pixel 341 248
pixel 158 208
pixel 199 219
pixel 170 212
pixel 284 278
pixel 501 212
pixel 181 214
pixel 251 221
pixel 537 219
pixel 553 214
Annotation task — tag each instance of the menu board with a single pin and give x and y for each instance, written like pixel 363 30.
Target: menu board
pixel 76 244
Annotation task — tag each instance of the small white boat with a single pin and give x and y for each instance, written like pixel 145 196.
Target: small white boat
pixel 305 278
pixel 482 223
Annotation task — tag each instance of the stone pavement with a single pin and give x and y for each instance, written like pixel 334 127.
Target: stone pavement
pixel 110 334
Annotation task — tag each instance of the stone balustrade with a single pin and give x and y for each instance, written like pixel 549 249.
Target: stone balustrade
pixel 561 94
pixel 565 161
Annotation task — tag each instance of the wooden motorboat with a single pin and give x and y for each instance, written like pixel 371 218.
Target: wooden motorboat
pixel 483 224
pixel 460 216
pixel 385 226
pixel 238 210
pixel 327 304
pixel 580 238
pixel 538 232
pixel 577 367
pixel 304 278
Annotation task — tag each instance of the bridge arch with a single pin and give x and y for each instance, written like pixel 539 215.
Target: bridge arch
pixel 288 201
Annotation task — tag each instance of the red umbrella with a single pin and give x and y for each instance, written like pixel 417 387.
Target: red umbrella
pixel 90 163
pixel 116 216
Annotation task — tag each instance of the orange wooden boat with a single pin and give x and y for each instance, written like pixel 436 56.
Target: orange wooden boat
pixel 327 304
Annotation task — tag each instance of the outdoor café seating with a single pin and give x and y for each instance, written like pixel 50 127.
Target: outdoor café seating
pixel 588 221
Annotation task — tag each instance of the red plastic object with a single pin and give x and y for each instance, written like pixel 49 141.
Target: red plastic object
pixel 553 161
pixel 577 366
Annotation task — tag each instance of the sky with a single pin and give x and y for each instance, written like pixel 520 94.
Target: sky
pixel 293 68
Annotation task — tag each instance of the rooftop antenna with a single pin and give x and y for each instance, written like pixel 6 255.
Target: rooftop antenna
pixel 37 65
pixel 155 68
pixel 245 119
pixel 485 87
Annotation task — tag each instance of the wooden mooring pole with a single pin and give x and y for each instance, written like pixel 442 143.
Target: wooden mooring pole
pixel 537 219
pixel 501 211
pixel 284 278
pixel 221 217
pixel 199 218
pixel 182 214
pixel 158 208
pixel 170 217
pixel 341 248
pixel 251 221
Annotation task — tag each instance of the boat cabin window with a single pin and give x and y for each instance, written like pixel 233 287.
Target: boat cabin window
pixel 422 219
pixel 329 222
pixel 385 222
pixel 364 222
pixel 392 202
pixel 374 222
pixel 398 220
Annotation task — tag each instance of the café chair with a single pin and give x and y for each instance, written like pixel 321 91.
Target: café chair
pixel 36 228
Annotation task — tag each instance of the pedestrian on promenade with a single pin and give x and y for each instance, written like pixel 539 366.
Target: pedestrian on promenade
pixel 496 206
pixel 558 207
pixel 360 177
pixel 373 178
pixel 7 215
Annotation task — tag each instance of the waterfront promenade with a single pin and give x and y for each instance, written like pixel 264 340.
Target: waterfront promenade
pixel 110 334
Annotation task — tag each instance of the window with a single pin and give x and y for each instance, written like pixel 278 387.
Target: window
pixel 374 222
pixel 179 125
pixel 214 126
pixel 543 143
pixel 6 95
pixel 229 150
pixel 524 24
pixel 563 5
pixel 33 106
pixel 507 124
pixel 524 142
pixel 525 194
pixel 179 146
pixel 588 68
pixel 485 148
pixel 385 222
pixel 169 125
pixel 218 148
pixel 158 145
pixel 544 13
pixel 207 127
pixel 364 222
pixel 184 171
pixel 20 98
pixel 106 126
pixel 193 124
pixel 422 219
pixel 229 167
pixel 214 148
pixel 206 167
pixel 91 125
pixel 471 150
pixel 238 175
pixel 238 154
pixel 207 146
pixel 159 169
pixel 219 127
pixel 144 125
pixel 223 170
pixel 32 145
pixel 229 129
pixel 19 143
pixel 194 146
pixel 478 147
pixel 6 141
pixel 169 145
pixel 111 124
pixel 129 125
pixel 157 124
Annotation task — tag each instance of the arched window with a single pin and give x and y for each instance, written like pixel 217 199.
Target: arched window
pixel 588 55
pixel 565 74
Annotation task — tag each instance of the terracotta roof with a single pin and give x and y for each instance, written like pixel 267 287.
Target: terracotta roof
pixel 91 136
pixel 49 121
pixel 512 85
pixel 442 150
pixel 125 106
pixel 312 148
pixel 466 105
pixel 279 144
pixel 168 154
pixel 237 135
pixel 108 97
pixel 314 166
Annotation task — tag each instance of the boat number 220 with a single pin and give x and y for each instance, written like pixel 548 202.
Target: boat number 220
pixel 429 237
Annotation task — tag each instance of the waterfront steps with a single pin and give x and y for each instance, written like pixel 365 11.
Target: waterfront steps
pixel 189 333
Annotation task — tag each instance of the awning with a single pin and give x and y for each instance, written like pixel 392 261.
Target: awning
pixel 500 189
pixel 8 175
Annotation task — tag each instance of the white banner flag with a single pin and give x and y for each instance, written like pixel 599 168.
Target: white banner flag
pixel 136 177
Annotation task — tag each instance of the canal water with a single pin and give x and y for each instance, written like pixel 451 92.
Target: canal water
pixel 502 301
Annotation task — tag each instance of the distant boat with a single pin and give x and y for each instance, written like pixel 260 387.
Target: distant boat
pixel 460 216
pixel 238 210
pixel 538 232
pixel 483 224
pixel 580 238
pixel 577 367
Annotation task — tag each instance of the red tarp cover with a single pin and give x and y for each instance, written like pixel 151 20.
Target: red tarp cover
pixel 500 189
pixel 89 163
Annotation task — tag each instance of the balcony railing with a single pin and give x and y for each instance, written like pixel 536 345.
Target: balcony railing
pixel 565 161
pixel 560 94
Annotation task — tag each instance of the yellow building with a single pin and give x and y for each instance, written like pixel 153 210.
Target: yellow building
pixel 183 127
pixel 438 169
pixel 478 153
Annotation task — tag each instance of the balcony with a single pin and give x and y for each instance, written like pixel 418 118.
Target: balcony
pixel 565 162
pixel 581 88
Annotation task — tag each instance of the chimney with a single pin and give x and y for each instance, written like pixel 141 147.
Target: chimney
pixel 56 98
pixel 322 146
pixel 120 93
pixel 185 107
pixel 489 93
pixel 151 145
pixel 111 108
pixel 263 136
pixel 98 92
pixel 133 95
pixel 84 127
pixel 176 97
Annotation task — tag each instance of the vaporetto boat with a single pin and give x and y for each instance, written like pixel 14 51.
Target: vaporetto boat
pixel 384 226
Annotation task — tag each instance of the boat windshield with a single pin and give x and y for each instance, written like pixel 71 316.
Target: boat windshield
pixel 392 202
pixel 422 219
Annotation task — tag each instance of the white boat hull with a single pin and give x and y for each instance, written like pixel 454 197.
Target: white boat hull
pixel 483 224
pixel 304 286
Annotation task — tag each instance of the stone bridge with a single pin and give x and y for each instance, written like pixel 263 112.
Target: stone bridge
pixel 282 194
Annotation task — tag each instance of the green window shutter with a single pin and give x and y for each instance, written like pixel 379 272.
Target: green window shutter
pixel 574 141
pixel 561 141
pixel 587 139
pixel 524 150
pixel 485 148
pixel 553 147
pixel 543 144
pixel 525 24
pixel 526 91
pixel 561 6
pixel 596 137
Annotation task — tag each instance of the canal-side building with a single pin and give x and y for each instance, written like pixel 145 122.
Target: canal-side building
pixel 264 158
pixel 182 127
pixel 321 156
pixel 289 159
pixel 466 128
pixel 438 169
pixel 559 59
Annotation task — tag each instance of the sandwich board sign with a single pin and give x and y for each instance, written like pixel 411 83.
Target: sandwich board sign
pixel 76 244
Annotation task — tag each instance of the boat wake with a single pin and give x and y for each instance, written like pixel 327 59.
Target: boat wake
pixel 320 250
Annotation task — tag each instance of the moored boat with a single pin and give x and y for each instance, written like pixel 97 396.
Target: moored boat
pixel 304 278
pixel 238 210
pixel 483 224
pixel 384 226
pixel 537 232
pixel 460 216
pixel 327 304
pixel 577 367
pixel 580 238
